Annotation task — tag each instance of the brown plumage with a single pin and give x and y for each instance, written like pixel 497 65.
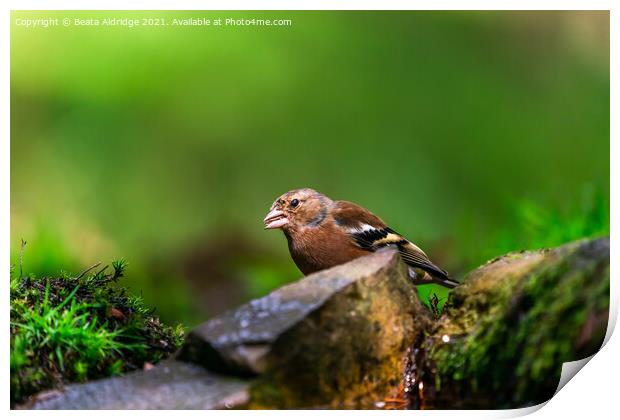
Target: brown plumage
pixel 322 233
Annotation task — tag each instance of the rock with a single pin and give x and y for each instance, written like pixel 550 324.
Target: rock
pixel 353 335
pixel 507 331
pixel 169 385
pixel 337 338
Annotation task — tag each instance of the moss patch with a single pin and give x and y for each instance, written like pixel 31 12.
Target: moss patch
pixel 76 328
pixel 505 334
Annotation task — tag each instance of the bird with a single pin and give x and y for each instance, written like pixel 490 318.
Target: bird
pixel 323 233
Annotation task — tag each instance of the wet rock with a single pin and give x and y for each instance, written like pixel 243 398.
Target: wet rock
pixel 336 338
pixel 169 385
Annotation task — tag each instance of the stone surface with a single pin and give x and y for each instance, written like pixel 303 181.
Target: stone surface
pixel 335 338
pixel 338 338
pixel 353 335
pixel 169 385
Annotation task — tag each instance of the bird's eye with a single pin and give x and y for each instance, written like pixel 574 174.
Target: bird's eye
pixel 294 202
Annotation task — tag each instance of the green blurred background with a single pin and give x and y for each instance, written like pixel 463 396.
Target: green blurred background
pixel 473 133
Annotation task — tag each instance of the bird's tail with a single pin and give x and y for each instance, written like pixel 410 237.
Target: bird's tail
pixel 421 277
pixel 449 283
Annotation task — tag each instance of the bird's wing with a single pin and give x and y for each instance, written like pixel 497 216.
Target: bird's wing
pixel 349 215
pixel 370 233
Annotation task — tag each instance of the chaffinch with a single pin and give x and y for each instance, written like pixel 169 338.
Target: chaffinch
pixel 322 233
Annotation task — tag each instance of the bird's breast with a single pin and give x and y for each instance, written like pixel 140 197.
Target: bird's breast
pixel 321 248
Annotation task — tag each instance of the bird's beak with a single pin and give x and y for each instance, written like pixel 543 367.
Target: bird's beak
pixel 275 219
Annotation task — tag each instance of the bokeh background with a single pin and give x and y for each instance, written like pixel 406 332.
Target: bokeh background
pixel 473 133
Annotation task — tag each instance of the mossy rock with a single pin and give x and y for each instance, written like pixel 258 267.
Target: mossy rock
pixel 357 334
pixel 70 329
pixel 507 331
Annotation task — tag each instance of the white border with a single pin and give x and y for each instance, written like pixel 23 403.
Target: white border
pixel 591 395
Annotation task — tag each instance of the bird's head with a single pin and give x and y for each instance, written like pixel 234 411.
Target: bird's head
pixel 297 208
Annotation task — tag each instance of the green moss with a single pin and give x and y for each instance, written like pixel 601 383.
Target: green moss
pixel 511 328
pixel 76 328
